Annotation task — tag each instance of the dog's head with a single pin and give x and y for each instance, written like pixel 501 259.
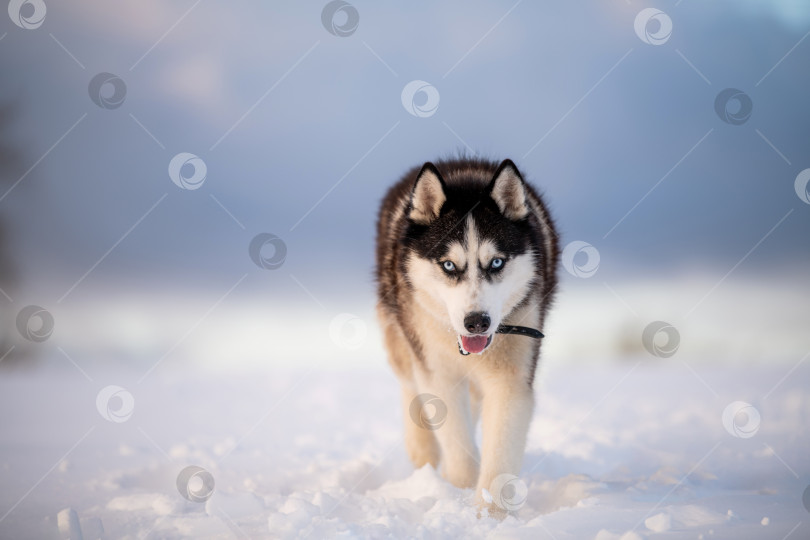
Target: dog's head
pixel 470 239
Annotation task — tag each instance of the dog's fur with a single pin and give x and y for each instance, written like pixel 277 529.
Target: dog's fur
pixel 468 212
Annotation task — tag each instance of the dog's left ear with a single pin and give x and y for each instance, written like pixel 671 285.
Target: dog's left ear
pixel 509 192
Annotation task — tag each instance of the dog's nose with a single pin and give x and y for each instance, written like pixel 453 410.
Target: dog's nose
pixel 477 322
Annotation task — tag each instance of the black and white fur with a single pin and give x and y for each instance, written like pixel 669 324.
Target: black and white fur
pixel 465 245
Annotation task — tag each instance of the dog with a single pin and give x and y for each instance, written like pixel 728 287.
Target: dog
pixel 466 268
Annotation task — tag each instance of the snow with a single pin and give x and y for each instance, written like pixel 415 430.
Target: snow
pixel 634 450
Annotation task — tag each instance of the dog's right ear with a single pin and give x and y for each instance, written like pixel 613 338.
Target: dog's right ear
pixel 428 195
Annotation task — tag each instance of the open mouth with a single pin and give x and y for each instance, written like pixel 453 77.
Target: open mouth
pixel 475 344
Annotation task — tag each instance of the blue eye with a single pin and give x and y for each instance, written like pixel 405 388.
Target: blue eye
pixel 449 266
pixel 496 264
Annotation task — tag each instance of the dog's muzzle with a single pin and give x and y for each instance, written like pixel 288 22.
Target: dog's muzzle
pixel 510 329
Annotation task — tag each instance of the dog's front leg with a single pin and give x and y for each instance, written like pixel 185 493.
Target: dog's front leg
pixel 454 431
pixel 505 413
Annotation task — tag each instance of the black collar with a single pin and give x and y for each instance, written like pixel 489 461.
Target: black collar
pixel 520 330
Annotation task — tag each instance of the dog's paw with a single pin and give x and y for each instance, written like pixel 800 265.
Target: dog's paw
pixel 423 452
pixel 487 507
pixel 505 494
pixel 461 471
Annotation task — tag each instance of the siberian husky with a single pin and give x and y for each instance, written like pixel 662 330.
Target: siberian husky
pixel 467 262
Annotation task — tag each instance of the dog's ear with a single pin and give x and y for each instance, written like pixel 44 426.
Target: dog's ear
pixel 428 195
pixel 509 192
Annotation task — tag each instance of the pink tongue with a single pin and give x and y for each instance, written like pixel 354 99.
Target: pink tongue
pixel 474 344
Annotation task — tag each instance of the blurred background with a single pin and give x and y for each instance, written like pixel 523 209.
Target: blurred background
pixel 195 183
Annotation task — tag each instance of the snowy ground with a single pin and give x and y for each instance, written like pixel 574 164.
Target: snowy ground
pixel 631 450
